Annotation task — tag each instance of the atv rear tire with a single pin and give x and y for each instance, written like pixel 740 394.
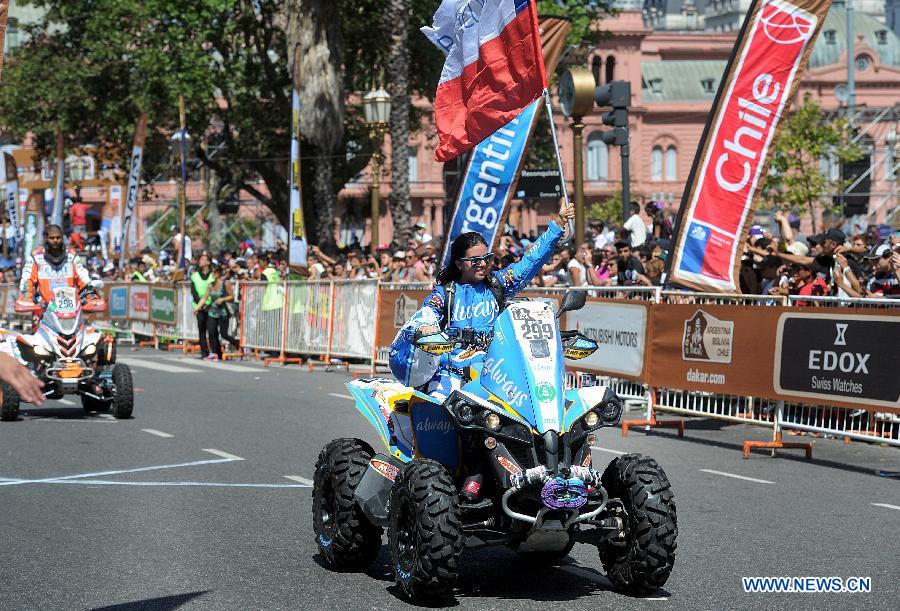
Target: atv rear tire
pixel 106 351
pixel 642 561
pixel 346 538
pixel 425 531
pixel 123 400
pixel 9 408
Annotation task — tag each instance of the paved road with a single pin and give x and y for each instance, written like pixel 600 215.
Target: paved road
pixel 202 501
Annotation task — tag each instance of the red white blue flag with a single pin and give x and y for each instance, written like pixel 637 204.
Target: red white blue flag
pixel 494 69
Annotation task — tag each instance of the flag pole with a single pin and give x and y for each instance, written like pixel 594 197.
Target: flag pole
pixel 559 163
pixel 182 186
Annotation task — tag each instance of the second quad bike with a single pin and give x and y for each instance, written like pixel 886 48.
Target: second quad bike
pixel 505 460
pixel 69 356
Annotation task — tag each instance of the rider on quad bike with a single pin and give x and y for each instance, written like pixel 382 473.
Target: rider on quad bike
pixel 50 267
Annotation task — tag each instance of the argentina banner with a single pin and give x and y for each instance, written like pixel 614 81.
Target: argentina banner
pixel 490 179
pixel 761 80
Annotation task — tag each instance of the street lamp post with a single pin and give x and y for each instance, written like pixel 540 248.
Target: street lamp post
pixel 377 110
pixel 576 97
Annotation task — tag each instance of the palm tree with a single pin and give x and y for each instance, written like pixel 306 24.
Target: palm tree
pixel 314 31
pixel 397 17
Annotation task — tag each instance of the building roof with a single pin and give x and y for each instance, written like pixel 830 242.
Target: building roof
pixel 832 41
pixel 680 80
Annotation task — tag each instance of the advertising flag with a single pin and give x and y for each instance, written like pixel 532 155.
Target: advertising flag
pixel 12 195
pixel 494 69
pixel 297 242
pixel 59 191
pixel 134 183
pixel 493 168
pixel 760 82
pixel 4 16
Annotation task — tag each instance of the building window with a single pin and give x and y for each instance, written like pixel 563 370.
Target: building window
pixel 863 62
pixel 671 163
pixel 596 65
pixel 656 163
pixel 881 37
pixel 610 69
pixel 708 85
pixel 656 85
pixel 413 157
pixel 597 158
pixel 830 167
pixel 830 37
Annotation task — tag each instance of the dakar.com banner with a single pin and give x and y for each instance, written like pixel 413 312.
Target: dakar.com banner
pixel 759 85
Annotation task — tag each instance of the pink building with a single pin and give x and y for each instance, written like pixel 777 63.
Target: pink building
pixel 674 77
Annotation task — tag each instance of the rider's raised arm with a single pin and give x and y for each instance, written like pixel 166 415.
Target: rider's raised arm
pixel 517 276
pixel 28 285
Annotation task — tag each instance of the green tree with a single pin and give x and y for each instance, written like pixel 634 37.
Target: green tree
pixel 795 180
pixel 609 210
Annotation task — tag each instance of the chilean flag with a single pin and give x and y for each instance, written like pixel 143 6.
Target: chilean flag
pixel 494 69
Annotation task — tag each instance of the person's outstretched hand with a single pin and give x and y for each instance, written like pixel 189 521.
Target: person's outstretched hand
pixel 30 389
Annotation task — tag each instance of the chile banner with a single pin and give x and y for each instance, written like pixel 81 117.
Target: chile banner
pixel 760 82
pixel 493 70
pixel 297 242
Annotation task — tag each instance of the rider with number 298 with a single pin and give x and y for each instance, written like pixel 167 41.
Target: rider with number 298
pixel 466 301
pixel 50 268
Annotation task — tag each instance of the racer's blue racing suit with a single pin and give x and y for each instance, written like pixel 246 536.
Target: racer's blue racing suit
pixel 474 307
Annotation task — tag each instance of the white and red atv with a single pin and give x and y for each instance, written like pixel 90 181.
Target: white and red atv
pixel 69 356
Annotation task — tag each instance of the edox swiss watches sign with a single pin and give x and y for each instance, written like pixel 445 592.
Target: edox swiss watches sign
pixel 831 356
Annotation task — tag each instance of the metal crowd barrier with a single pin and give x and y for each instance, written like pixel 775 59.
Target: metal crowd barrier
pixel 843 302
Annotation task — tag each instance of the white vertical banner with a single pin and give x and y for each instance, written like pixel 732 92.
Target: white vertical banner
pixel 12 195
pixel 23 202
pixel 297 242
pixel 57 214
pixel 128 237
pixel 115 225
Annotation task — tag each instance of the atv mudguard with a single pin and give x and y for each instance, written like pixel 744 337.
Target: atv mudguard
pixel 409 422
pixel 374 489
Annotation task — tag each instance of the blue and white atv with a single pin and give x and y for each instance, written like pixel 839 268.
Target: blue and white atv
pixel 505 460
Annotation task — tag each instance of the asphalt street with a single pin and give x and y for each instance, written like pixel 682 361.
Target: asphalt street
pixel 202 501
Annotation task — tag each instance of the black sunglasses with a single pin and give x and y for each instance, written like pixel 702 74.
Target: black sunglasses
pixel 488 258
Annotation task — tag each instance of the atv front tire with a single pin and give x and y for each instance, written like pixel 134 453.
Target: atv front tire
pixel 9 408
pixel 123 400
pixel 346 538
pixel 425 531
pixel 641 562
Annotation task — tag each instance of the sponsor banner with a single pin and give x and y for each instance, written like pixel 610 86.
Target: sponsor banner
pixel 58 210
pixel 395 308
pixel 297 243
pixel 620 329
pixel 777 353
pixel 12 196
pixel 118 302
pixel 162 305
pixel 139 303
pixel 128 236
pixel 762 78
pixel 854 357
pixel 490 179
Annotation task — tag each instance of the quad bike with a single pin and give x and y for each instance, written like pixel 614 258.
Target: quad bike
pixel 70 357
pixel 505 460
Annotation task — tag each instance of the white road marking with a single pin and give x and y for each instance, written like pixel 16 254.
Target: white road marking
pixel 147 364
pixel 886 505
pixel 157 433
pixel 92 482
pixel 743 477
pixel 340 396
pixel 222 454
pixel 106 416
pixel 221 366
pixel 297 478
pixel 65 401
pixel 72 420
pixel 608 450
pixel 195 463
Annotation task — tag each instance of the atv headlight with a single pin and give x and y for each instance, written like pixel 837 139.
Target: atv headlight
pixel 40 350
pixel 492 421
pixel 90 350
pixel 591 419
pixel 465 413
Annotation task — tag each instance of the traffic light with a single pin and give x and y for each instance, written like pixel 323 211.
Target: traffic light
pixel 856 199
pixel 617 95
